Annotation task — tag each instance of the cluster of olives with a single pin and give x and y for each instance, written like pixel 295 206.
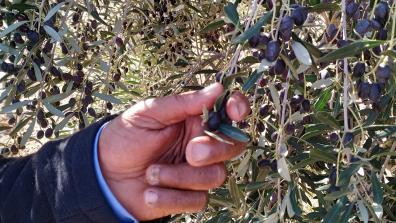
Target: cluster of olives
pixel 216 118
pixel 55 78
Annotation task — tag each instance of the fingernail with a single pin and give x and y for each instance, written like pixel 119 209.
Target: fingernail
pixel 210 88
pixel 153 175
pixel 200 152
pixel 150 197
pixel 235 107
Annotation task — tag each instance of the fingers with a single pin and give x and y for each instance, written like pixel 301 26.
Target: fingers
pixel 175 201
pixel 237 106
pixel 185 176
pixel 205 150
pixel 175 108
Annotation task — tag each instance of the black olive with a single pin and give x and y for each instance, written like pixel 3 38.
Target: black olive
pixel 286 27
pixel 214 121
pixel 272 51
pixel 48 132
pixel 33 36
pixel 359 69
pixel 299 15
pixel 363 26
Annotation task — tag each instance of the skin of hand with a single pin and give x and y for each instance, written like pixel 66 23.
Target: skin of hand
pixel 156 158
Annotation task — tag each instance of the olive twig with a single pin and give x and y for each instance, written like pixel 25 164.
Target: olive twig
pixel 346 73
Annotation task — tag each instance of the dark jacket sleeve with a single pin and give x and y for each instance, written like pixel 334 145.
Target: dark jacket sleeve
pixel 57 184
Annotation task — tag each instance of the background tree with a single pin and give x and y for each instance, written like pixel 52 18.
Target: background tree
pixel 319 74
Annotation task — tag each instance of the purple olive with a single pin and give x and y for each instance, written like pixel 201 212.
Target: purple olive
pixel 364 90
pixel 382 34
pixel 352 8
pixel 299 15
pixel 333 138
pixel 306 105
pixel 280 67
pixel 272 51
pixel 359 69
pixel 286 27
pixel 264 111
pixel 33 36
pixel 333 176
pixel 375 92
pixel 363 26
pixel 331 31
pixel 254 40
pixel 381 11
pixel 383 73
pixel 214 121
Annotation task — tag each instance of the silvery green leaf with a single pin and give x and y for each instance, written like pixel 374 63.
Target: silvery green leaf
pixel 363 213
pixel 28 133
pixel 234 133
pixel 37 72
pixel 283 149
pixel 282 209
pixel 283 169
pixel 378 210
pixel 7 49
pixel 297 116
pixel 273 218
pixel 377 190
pixel 264 65
pixel 5 92
pixel 54 10
pixel 289 206
pixel 243 166
pixel 218 138
pixel 54 34
pixel 85 119
pixel 11 28
pixel 53 110
pixel 301 53
pixel 231 13
pixel 14 106
pixel 275 96
pixel 107 97
pixel 261 142
pixel 322 83
pixel 63 123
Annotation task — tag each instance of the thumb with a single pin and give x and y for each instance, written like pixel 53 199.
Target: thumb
pixel 175 108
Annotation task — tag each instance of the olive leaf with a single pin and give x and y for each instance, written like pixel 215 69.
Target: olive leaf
pixel 254 29
pixel 233 133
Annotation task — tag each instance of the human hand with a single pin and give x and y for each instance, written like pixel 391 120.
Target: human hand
pixel 157 160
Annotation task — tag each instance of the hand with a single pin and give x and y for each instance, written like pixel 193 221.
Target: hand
pixel 156 158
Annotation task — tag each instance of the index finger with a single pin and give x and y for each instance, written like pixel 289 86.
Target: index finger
pixel 175 108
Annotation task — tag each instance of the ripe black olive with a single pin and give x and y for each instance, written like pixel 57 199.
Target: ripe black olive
pixel 363 26
pixel 359 69
pixel 40 134
pixel 214 121
pixel 33 36
pixel 299 15
pixel 48 132
pixel 272 51
pixel 383 73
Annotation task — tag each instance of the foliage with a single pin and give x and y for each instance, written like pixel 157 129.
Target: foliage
pixel 319 76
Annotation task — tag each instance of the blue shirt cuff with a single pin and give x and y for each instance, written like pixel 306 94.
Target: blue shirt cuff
pixel 121 213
